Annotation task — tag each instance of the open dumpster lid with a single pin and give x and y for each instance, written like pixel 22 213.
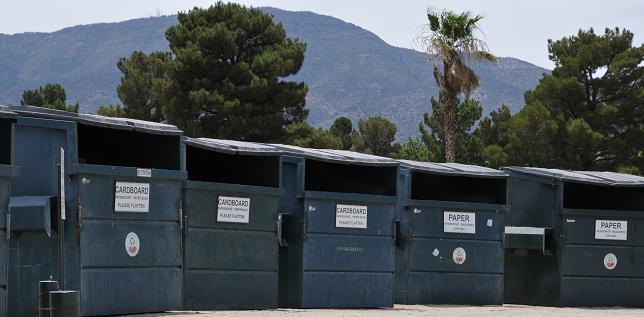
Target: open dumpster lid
pixel 96 120
pixel 589 177
pixel 337 156
pixel 5 112
pixel 455 169
pixel 233 147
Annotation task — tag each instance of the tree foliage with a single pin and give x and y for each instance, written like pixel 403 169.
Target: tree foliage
pixel 143 77
pixel 226 80
pixel 468 112
pixel 112 111
pixel 376 136
pixel 450 37
pixel 342 128
pixel 588 114
pixel 51 96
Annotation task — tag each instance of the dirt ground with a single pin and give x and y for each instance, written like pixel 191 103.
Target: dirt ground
pixel 425 311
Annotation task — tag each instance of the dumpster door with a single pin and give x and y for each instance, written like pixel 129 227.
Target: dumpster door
pixel 130 239
pixel 348 251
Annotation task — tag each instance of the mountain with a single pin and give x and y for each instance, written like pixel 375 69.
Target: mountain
pixel 350 71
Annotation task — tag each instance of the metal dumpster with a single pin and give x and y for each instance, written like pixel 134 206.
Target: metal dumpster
pixel 449 248
pixel 231 202
pixel 339 229
pixel 121 188
pixel 574 238
pixel 7 171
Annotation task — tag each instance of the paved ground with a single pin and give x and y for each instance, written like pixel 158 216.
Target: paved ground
pixel 425 311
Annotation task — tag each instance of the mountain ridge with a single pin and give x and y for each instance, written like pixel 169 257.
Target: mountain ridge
pixel 350 71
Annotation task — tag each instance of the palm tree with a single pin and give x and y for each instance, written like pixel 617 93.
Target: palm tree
pixel 449 37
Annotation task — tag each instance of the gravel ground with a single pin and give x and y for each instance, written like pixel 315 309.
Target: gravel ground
pixel 421 310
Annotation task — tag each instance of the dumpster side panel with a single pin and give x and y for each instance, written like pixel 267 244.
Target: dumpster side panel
pixel 452 260
pixel 117 291
pixel 34 254
pixel 438 255
pixel 115 276
pixel 321 217
pixel 347 267
pixel 586 260
pixel 580 229
pixel 428 222
pixel 347 289
pixel 290 257
pixel 456 288
pixel 230 290
pixel 325 252
pixel 403 238
pixel 4 246
pixel 230 265
pixel 594 291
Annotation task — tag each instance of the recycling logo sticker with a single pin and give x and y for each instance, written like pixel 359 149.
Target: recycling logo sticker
pixel 132 244
pixel 610 261
pixel 459 255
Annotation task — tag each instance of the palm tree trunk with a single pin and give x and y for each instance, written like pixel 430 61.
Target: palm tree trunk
pixel 449 120
pixel 449 128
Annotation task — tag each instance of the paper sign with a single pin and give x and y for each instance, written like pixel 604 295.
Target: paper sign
pixel 459 222
pixel 611 230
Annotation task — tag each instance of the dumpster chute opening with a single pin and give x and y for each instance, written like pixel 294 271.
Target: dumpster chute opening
pixel 357 179
pixel 118 147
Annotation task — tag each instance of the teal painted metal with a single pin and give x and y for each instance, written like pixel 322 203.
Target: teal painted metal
pixel 231 256
pixel 101 154
pixel 7 172
pixel 593 249
pixel 329 261
pixel 449 247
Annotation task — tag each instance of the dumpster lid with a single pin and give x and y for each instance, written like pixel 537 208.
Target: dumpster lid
pixel 233 147
pixel 337 156
pixel 5 112
pixel 590 177
pixel 453 169
pixel 96 120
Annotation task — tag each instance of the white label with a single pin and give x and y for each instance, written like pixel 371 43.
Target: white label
pixel 436 252
pixel 143 172
pixel 131 197
pixel 459 222
pixel 611 230
pixel 489 223
pixel 62 184
pixel 132 244
pixel 459 256
pixel 233 209
pixel 351 216
pixel 610 261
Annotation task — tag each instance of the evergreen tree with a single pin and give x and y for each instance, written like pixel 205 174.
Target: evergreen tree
pixel 142 78
pixel 227 77
pixel 342 129
pixel 51 96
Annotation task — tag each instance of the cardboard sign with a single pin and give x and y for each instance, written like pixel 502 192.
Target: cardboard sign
pixel 351 216
pixel 233 209
pixel 131 197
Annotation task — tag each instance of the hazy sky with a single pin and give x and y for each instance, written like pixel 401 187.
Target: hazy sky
pixel 512 28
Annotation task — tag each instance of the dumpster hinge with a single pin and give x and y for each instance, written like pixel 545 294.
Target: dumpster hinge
pixel 281 219
pixel 303 229
pixel 180 214
pixel 8 229
pixel 396 230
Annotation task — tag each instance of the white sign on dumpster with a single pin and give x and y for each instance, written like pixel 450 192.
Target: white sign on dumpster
pixel 233 209
pixel 611 230
pixel 131 197
pixel 350 216
pixel 459 222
